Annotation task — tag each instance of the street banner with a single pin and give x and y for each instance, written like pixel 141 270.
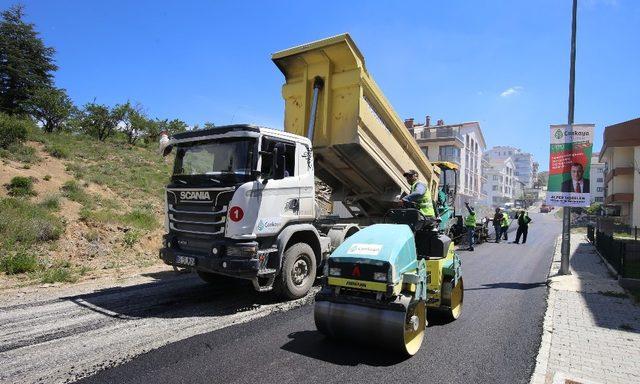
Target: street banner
pixel 569 165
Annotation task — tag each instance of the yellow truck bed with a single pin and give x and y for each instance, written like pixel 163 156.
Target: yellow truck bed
pixel 361 146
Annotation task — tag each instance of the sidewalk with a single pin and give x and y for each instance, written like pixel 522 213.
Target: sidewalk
pixel 591 331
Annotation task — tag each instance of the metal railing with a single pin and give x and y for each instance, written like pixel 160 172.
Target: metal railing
pixel 622 252
pixel 441 133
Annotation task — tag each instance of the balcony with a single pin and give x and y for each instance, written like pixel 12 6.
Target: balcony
pixel 441 134
pixel 619 171
pixel 619 198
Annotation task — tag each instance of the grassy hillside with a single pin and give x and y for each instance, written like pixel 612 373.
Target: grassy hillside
pixel 72 207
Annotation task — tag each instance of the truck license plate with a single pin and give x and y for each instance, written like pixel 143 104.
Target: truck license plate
pixel 186 260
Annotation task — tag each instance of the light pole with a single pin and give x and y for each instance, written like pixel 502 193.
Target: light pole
pixel 566 214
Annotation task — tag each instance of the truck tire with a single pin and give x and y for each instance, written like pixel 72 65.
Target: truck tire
pixel 298 272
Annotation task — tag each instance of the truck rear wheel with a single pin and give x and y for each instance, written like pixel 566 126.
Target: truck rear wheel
pixel 298 272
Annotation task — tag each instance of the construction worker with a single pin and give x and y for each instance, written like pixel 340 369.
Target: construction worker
pixel 504 225
pixel 419 195
pixel 523 227
pixel 470 223
pixel 497 219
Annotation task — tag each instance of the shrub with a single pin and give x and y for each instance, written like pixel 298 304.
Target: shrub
pixel 76 169
pixel 13 130
pixel 92 235
pixel 131 237
pixel 72 190
pixel 20 152
pixel 20 186
pixel 137 218
pixel 20 262
pixel 141 219
pixel 46 177
pixel 57 151
pixel 593 209
pixel 51 202
pixel 62 274
pixel 24 222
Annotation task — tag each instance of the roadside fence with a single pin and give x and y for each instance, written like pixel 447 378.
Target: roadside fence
pixel 619 245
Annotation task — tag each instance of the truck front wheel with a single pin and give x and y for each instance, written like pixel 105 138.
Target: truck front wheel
pixel 298 272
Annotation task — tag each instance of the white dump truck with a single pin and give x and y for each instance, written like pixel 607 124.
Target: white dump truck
pixel 241 201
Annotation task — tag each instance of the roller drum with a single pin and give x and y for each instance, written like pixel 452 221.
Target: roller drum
pixel 399 328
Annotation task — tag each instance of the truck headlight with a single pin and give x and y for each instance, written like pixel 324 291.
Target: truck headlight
pixel 248 251
pixel 333 271
pixel 380 276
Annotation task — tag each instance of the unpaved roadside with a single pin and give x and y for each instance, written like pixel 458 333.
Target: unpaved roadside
pixel 61 334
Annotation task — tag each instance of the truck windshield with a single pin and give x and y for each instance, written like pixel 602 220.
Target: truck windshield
pixel 224 160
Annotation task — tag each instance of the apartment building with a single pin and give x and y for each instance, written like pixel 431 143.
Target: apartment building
pixel 596 176
pixel 525 170
pixel 462 144
pixel 621 155
pixel 501 181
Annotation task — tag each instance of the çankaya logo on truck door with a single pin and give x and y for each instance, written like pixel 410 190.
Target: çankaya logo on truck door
pixel 189 195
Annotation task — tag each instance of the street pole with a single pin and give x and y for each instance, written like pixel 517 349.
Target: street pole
pixel 566 214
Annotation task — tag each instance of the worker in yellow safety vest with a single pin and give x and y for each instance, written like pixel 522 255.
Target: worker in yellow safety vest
pixel 470 223
pixel 420 195
pixel 504 225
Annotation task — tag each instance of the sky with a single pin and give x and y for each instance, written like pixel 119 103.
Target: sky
pixel 502 63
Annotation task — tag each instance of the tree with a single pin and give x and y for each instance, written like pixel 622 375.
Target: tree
pixel 176 126
pixel 98 120
pixel 141 126
pixel 594 209
pixel 131 120
pixel 14 129
pixel 51 107
pixel 543 178
pixel 209 125
pixel 155 126
pixel 26 64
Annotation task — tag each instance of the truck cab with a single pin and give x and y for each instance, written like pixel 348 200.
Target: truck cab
pixel 240 197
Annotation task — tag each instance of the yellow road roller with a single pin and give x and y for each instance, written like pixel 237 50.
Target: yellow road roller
pixel 380 283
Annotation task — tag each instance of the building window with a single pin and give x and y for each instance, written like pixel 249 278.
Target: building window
pixel 495 188
pixel 599 199
pixel 600 189
pixel 449 153
pixel 599 179
pixel 425 150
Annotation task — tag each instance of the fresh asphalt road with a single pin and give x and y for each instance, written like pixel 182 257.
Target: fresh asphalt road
pixel 496 339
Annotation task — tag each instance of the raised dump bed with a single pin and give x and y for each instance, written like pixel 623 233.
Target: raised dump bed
pixel 361 146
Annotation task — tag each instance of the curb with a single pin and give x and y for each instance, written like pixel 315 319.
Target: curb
pixel 539 375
